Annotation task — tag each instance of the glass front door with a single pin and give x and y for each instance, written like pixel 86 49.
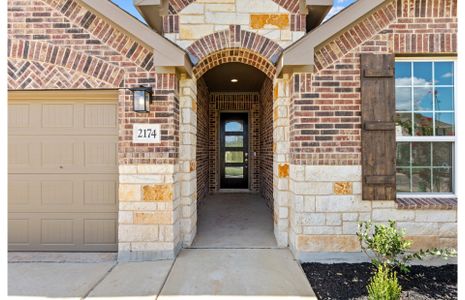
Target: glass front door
pixel 234 150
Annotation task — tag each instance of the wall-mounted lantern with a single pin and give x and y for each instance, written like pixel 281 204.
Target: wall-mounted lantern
pixel 142 97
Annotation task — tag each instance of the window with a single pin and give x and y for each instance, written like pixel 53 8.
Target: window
pixel 425 126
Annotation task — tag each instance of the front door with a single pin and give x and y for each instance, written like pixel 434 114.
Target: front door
pixel 234 150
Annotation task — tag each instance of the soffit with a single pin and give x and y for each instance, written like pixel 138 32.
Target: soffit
pixel 219 78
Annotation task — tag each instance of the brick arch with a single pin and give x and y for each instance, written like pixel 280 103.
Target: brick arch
pixel 241 55
pixel 90 66
pixel 234 37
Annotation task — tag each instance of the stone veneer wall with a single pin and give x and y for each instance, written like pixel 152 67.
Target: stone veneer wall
pixel 189 21
pixel 203 140
pixel 266 141
pixel 325 173
pixel 326 205
pixel 187 163
pixel 63 45
pixel 149 212
pixel 234 102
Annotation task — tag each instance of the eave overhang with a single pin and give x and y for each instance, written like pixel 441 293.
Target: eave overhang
pixel 152 11
pixel 299 57
pixel 316 11
pixel 166 53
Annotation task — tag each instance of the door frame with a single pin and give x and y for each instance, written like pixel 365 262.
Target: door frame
pixel 249 147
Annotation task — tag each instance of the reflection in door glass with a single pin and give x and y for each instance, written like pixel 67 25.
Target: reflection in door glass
pixel 233 126
pixel 234 172
pixel 234 141
pixel 234 156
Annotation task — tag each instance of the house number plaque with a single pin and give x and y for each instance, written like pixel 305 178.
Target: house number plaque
pixel 146 133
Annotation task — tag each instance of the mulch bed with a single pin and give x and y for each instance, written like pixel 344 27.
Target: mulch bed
pixel 349 281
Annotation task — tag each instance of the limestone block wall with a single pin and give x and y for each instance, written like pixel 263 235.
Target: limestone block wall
pixel 264 17
pixel 187 158
pixel 326 206
pixel 281 200
pixel 149 212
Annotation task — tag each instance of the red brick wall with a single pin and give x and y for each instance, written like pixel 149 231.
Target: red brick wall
pixel 266 141
pixel 63 45
pixel 203 140
pixel 325 105
pixel 234 37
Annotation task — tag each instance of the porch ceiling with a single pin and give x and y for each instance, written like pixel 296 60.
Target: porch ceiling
pixel 249 79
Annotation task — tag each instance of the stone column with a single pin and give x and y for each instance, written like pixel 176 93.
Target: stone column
pixel 149 187
pixel 148 198
pixel 281 160
pixel 187 158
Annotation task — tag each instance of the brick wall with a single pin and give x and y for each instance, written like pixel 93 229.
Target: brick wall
pixel 61 44
pixel 325 201
pixel 203 140
pixel 266 141
pixel 325 105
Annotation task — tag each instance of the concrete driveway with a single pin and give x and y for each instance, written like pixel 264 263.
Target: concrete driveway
pixel 195 274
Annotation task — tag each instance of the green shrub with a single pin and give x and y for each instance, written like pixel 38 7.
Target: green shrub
pixel 383 285
pixel 386 245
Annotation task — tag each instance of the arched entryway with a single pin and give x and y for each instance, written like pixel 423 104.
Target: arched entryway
pixel 234 155
pixel 231 86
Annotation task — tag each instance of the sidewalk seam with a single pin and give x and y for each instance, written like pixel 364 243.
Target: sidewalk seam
pixel 166 278
pixel 100 280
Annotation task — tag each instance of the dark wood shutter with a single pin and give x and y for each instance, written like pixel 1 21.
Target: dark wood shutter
pixel 378 127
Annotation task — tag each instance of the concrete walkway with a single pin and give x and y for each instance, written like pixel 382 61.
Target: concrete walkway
pixel 234 221
pixel 226 266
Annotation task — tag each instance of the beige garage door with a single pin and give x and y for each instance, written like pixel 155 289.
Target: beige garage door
pixel 62 173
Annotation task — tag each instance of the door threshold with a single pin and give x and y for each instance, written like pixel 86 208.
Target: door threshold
pixel 234 191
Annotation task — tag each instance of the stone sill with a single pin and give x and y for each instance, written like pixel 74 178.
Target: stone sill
pixel 426 202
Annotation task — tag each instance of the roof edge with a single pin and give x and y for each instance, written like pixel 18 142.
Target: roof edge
pixel 166 53
pixel 301 53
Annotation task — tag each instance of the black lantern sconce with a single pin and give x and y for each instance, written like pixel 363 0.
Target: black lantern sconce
pixel 142 97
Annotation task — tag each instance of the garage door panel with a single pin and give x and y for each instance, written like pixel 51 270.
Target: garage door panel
pixel 63 154
pixel 57 193
pixel 54 118
pixel 58 153
pixel 101 153
pixel 18 231
pixel 58 115
pixel 19 192
pixel 100 231
pixel 62 232
pixel 61 193
pixel 102 115
pixel 18 116
pixel 23 154
pixel 100 192
pixel 57 231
